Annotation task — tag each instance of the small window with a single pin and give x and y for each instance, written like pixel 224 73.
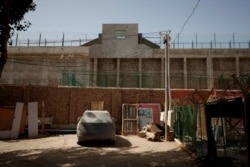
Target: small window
pixel 120 34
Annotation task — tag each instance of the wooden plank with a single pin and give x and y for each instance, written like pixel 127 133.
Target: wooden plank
pixel 33 119
pixel 6 118
pixel 17 120
pixel 97 105
pixel 23 119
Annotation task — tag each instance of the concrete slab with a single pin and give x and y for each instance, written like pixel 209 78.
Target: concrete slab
pixel 16 121
pixel 33 119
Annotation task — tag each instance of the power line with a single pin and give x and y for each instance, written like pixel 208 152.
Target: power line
pixel 191 14
pixel 37 64
pixel 59 64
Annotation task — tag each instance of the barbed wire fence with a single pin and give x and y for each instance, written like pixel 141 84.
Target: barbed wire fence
pixel 136 80
pixel 183 40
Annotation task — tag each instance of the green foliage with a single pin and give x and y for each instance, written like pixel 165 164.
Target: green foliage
pixel 11 19
pixel 17 10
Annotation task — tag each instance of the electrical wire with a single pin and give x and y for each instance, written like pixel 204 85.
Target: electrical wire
pixel 186 21
pixel 111 37
pixel 35 62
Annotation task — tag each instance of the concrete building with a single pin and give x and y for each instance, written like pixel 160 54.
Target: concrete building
pixel 121 57
pixel 51 66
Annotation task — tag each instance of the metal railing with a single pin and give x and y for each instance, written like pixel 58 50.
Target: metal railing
pixel 184 40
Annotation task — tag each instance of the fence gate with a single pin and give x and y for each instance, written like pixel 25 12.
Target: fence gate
pixel 129 119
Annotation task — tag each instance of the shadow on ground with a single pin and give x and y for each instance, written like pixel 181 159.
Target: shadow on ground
pixel 119 154
pixel 120 142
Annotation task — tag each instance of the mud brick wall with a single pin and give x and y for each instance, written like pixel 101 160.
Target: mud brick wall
pixel 224 66
pixel 244 65
pixel 177 72
pixel 9 95
pixel 151 65
pixel 129 65
pixel 128 73
pixel 66 104
pixel 107 65
pixel 199 70
pixel 151 73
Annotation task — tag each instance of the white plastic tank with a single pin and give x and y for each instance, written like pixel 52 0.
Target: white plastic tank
pixel 171 118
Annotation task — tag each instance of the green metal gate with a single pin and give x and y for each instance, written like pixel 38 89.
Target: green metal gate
pixel 184 119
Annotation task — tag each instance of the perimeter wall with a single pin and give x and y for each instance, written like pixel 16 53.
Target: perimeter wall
pixel 66 104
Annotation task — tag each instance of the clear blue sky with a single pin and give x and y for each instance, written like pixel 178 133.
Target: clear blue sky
pixel 87 16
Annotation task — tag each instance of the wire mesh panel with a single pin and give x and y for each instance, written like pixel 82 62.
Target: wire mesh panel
pixel 129 119
pixel 129 79
pixel 184 127
pixel 106 79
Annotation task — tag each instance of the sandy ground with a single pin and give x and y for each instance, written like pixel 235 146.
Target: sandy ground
pixel 63 151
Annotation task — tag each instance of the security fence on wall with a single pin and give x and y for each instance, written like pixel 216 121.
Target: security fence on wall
pixel 211 40
pixel 152 80
pixel 183 40
pixel 156 80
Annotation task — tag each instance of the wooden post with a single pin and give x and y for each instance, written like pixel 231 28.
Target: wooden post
pixel 43 117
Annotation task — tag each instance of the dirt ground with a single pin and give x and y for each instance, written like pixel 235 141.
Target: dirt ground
pixel 63 151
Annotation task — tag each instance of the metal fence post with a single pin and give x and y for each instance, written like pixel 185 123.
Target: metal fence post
pixel 16 39
pixel 214 40
pixel 39 42
pixel 178 39
pixel 233 40
pixel 63 40
pixel 196 40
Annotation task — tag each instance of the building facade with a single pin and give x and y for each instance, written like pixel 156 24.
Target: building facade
pixel 121 57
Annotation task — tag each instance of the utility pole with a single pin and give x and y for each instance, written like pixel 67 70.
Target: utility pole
pixel 167 83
